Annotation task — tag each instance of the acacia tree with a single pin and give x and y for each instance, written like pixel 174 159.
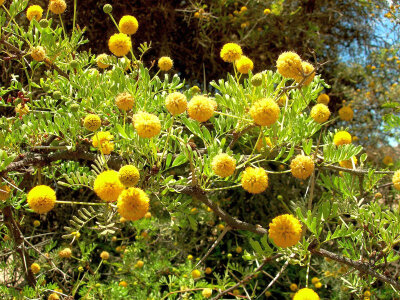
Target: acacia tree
pixel 124 151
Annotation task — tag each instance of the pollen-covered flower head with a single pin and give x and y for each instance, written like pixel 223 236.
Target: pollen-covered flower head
pixel 346 113
pixel 307 73
pixel 101 59
pixel 254 180
pixel 41 199
pixel 133 204
pixel 244 64
pixel 200 108
pixel 34 12
pixel 231 52
pixel 5 191
pixel 302 166
pixel 285 231
pixel 107 186
pixel 125 101
pixel 289 64
pixel 306 294
pixel 265 112
pixel 38 53
pixel 323 98
pixel 342 138
pixel 65 253
pixel 176 103
pixel 104 255
pixel 92 122
pixel 57 6
pixel 223 165
pixel 165 63
pixel 146 125
pixel 128 25
pixel 320 113
pixel 103 141
pixel 35 268
pixel 120 44
pixel 21 109
pixel 396 180
pixel 348 164
pixel 129 175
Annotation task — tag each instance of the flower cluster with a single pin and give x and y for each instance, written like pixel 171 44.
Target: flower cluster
pixel 396 180
pixel 65 253
pixel 146 125
pixel 41 199
pixel 103 141
pixel 306 294
pixel 323 98
pixel 244 64
pixel 107 186
pixel 254 180
pixel 231 52
pixel 285 231
pixel 5 191
pixel 100 60
pixel 200 108
pixel 262 143
pixel 346 113
pixel 57 6
pixel 165 63
pixel 348 164
pixel 133 204
pixel 320 113
pixel 176 103
pixel 129 175
pixel 223 165
pixel 290 65
pixel 125 101
pixel 38 53
pixel 128 25
pixel 302 166
pixel 120 44
pixel 342 138
pixel 34 12
pixel 265 112
pixel 92 122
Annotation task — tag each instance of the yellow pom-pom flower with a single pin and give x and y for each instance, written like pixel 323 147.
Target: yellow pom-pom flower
pixel 120 44
pixel 21 110
pixel 128 25
pixel 293 287
pixel 289 65
pixel 107 186
pixel 342 138
pixel 262 143
pixel 254 180
pixel 306 294
pixel 2 2
pixel 176 103
pixel 320 113
pixel 267 11
pixel 396 180
pixel 38 53
pixel 265 112
pixel 346 113
pixel 146 125
pixel 323 98
pixel 307 73
pixel 196 274
pixel 206 293
pixel 100 60
pixel 125 101
pixel 129 175
pixel 92 122
pixel 231 52
pixel 223 165
pixel 165 63
pixel 314 280
pixel 387 160
pixel 285 231
pixel 104 255
pixel 57 6
pixel 34 12
pixel 65 253
pixel 244 64
pixel 35 268
pixel 41 199
pixel 302 166
pixel 133 204
pixel 123 283
pixel 200 108
pixel 5 191
pixel 103 141
pixel 53 296
pixel 348 164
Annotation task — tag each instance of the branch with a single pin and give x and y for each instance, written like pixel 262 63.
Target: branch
pixel 237 135
pixel 362 267
pixel 353 171
pixel 197 193
pixel 248 277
